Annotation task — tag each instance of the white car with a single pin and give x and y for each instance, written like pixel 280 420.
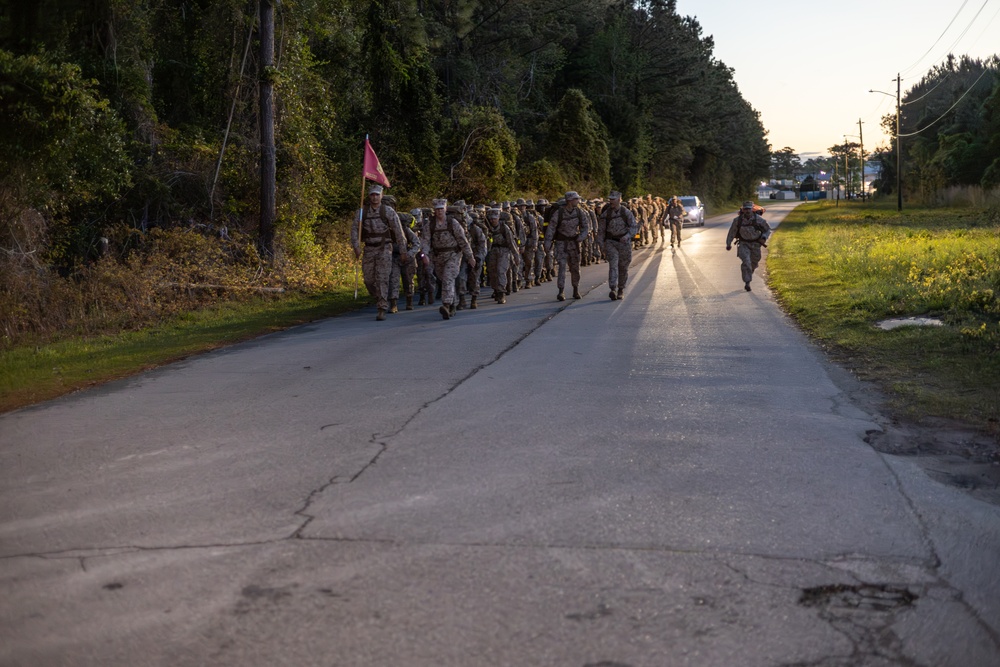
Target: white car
pixel 695 211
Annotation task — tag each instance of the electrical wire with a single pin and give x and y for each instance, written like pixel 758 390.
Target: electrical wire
pixel 936 120
pixel 910 68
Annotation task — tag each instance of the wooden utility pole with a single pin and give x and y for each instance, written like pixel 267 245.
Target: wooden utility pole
pixel 267 157
pixel 861 138
pixel 899 150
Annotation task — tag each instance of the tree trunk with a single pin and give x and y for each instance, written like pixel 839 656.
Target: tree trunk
pixel 267 160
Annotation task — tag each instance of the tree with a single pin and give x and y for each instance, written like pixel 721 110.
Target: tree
pixel 484 156
pixel 576 141
pixel 63 158
pixel 784 163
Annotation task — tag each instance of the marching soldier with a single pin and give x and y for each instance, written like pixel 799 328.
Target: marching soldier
pixel 446 243
pixel 503 246
pixel 478 243
pixel 377 230
pixel 616 228
pixel 567 230
pixel 404 270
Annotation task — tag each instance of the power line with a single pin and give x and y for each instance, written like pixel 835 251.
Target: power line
pixel 936 120
pixel 968 27
pixel 908 69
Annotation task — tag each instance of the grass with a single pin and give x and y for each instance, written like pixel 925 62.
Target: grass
pixel 33 373
pixel 840 270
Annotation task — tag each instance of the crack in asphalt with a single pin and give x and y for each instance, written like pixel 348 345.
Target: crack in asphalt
pixel 381 441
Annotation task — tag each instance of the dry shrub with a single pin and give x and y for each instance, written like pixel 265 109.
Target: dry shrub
pixel 147 278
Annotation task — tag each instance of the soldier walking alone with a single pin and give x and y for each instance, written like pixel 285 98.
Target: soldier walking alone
pixel 616 226
pixel 566 231
pixel 675 219
pixel 379 230
pixel 750 231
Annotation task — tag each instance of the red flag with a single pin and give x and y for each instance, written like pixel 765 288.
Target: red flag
pixel 373 170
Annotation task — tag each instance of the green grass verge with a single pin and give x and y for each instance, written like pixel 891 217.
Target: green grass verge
pixel 840 270
pixel 30 374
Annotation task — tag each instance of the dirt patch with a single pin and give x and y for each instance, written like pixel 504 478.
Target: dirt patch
pixel 951 452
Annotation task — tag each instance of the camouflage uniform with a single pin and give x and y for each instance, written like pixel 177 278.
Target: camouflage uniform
pixel 675 215
pixel 477 241
pixel 530 247
pixel 616 227
pixel 542 274
pixel 426 280
pixel 660 218
pixel 378 230
pixel 404 270
pixel 503 246
pixel 568 228
pixel 750 231
pixel 445 241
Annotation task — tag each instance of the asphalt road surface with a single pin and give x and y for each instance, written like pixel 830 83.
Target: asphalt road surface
pixel 678 478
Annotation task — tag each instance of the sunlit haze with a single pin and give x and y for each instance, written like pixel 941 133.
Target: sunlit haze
pixel 807 68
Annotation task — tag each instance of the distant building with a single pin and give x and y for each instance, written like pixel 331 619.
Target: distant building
pixel 765 191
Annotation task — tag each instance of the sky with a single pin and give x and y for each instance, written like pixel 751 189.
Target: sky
pixel 807 68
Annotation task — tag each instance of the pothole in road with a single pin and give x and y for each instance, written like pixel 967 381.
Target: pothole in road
pixel 865 597
pixel 950 455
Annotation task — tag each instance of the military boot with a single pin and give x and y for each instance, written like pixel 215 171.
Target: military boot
pixel 613 295
pixel 621 292
pixel 409 302
pixel 393 305
pixel 473 305
pixel 445 313
pixel 461 302
pixel 423 300
pixel 381 315
pixel 451 309
pixel 576 293
pixel 560 296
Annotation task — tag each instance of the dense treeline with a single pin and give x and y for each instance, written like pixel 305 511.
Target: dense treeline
pixel 125 115
pixel 950 130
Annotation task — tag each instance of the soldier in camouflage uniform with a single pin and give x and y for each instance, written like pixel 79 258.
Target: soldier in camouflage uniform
pixel 675 216
pixel 567 230
pixel 478 243
pixel 616 227
pixel 426 280
pixel 445 242
pixel 378 229
pixel 542 256
pixel 404 270
pixel 530 247
pixel 750 231
pixel 503 246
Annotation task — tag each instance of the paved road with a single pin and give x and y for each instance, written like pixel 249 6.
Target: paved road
pixel 678 478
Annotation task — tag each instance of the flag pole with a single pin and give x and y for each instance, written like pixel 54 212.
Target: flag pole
pixel 361 213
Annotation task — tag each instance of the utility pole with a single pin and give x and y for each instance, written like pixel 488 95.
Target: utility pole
pixel 847 167
pixel 861 138
pixel 836 179
pixel 899 152
pixel 267 157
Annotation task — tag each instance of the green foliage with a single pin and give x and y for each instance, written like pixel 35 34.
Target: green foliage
pixel 483 151
pixel 63 153
pixel 541 178
pixel 951 127
pixel 576 140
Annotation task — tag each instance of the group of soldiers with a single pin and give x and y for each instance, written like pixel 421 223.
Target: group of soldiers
pixel 448 252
